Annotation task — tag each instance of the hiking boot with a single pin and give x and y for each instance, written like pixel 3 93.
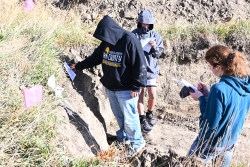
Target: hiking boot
pixel 150 119
pixel 145 126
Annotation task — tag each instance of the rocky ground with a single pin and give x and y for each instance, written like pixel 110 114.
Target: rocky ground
pixel 177 118
pixel 166 11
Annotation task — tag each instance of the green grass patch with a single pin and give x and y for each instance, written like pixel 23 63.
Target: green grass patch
pixel 188 32
pixel 27 136
pixel 85 163
pixel 1 37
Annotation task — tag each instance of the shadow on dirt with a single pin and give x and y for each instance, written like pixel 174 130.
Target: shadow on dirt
pixel 83 128
pixel 85 87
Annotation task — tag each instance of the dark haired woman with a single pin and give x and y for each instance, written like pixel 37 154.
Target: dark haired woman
pixel 223 108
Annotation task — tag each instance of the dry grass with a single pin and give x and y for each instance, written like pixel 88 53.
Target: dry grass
pixel 62 27
pixel 30 44
pixel 108 155
pixel 117 154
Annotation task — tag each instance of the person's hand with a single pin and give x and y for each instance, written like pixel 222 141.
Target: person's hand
pixel 203 88
pixel 73 67
pixel 134 94
pixel 152 43
pixel 195 95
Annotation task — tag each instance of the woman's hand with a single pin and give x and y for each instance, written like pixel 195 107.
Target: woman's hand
pixel 73 67
pixel 203 88
pixel 196 94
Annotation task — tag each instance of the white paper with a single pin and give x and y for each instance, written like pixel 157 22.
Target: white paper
pixel 70 72
pixel 144 43
pixel 185 83
pixel 51 82
pixel 58 91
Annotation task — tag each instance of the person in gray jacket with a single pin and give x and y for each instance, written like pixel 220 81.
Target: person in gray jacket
pixel 144 31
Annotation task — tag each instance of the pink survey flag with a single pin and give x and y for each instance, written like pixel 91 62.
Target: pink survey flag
pixel 32 96
pixel 29 4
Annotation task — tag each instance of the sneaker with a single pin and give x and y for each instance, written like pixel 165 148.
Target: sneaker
pixel 134 152
pixel 129 151
pixel 145 126
pixel 151 119
pixel 138 150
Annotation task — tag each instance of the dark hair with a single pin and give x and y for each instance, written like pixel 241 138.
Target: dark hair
pixel 234 63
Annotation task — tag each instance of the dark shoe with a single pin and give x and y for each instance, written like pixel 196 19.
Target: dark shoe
pixel 150 119
pixel 115 141
pixel 112 139
pixel 145 126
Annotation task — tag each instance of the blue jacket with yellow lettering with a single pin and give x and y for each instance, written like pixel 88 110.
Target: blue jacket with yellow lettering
pixel 121 55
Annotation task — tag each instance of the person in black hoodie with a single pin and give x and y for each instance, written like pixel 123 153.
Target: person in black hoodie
pixel 124 74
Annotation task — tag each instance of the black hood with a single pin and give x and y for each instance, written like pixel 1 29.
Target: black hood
pixel 108 30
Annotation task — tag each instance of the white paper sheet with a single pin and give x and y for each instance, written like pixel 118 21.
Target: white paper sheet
pixel 58 91
pixel 52 82
pixel 144 43
pixel 185 83
pixel 70 72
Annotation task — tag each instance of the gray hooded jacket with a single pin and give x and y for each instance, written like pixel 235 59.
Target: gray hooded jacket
pixel 146 17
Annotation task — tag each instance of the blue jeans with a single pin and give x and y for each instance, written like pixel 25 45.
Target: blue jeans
pixel 209 153
pixel 124 108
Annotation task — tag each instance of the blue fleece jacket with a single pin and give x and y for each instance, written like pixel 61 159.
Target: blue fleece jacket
pixel 224 111
pixel 151 57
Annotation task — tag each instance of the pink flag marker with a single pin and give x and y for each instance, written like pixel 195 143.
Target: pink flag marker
pixel 29 4
pixel 32 96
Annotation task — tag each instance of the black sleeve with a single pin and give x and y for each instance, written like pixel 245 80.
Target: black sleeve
pixel 91 61
pixel 138 67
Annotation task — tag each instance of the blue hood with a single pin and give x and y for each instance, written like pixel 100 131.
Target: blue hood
pixel 146 17
pixel 241 85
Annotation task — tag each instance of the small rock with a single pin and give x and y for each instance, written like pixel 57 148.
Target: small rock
pixel 130 14
pixel 22 87
pixel 161 116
